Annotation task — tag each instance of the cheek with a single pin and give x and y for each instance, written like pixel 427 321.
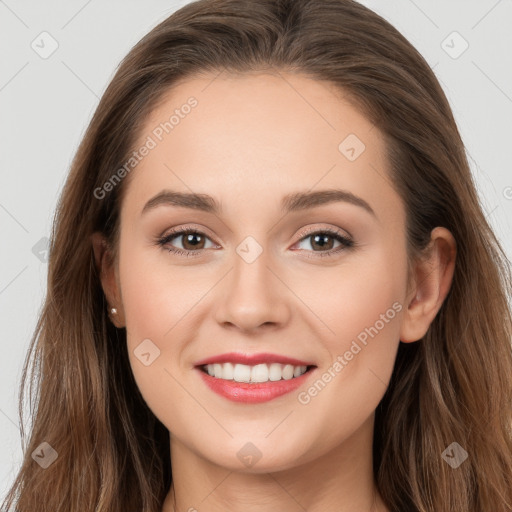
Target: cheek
pixel 362 294
pixel 156 296
pixel 162 304
pixel 155 301
pixel 369 314
pixel 367 335
pixel 363 309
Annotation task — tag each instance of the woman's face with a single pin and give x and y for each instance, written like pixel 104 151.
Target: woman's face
pixel 298 252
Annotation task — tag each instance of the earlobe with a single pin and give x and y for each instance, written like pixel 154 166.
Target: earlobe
pixel 106 270
pixel 432 278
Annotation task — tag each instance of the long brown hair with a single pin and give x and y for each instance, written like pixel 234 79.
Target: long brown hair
pixel 455 385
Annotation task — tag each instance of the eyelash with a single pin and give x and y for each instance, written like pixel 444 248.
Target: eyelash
pixel 346 243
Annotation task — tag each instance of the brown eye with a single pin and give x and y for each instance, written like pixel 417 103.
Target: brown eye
pixel 324 241
pixel 186 241
pixel 191 241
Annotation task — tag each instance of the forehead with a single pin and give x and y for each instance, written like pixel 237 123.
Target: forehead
pixel 232 108
pixel 257 133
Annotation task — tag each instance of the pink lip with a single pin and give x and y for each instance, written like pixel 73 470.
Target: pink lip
pixel 252 359
pixel 253 393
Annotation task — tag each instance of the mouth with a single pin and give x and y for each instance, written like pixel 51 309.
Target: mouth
pixel 253 378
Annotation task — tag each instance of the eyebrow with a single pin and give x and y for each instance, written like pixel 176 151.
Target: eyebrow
pixel 294 202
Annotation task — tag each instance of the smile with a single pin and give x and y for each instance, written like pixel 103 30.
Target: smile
pixel 238 380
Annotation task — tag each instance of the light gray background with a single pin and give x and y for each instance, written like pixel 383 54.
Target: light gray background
pixel 46 104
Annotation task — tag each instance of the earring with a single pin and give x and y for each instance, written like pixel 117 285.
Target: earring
pixel 113 311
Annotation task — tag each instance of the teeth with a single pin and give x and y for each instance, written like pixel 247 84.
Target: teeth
pixel 257 373
pixel 241 373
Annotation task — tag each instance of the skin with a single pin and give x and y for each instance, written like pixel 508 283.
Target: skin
pixel 251 140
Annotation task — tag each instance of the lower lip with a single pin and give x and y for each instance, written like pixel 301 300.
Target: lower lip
pixel 253 393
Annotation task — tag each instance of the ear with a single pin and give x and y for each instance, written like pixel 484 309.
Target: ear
pixel 431 281
pixel 109 277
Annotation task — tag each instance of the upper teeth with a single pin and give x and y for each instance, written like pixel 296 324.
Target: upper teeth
pixel 257 373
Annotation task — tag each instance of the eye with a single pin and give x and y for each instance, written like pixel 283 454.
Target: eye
pixel 323 242
pixel 191 241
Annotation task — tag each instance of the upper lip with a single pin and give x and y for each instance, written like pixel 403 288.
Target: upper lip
pixel 252 359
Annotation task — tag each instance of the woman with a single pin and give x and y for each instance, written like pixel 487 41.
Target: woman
pixel 270 273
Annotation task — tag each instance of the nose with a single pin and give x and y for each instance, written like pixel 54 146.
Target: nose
pixel 252 297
